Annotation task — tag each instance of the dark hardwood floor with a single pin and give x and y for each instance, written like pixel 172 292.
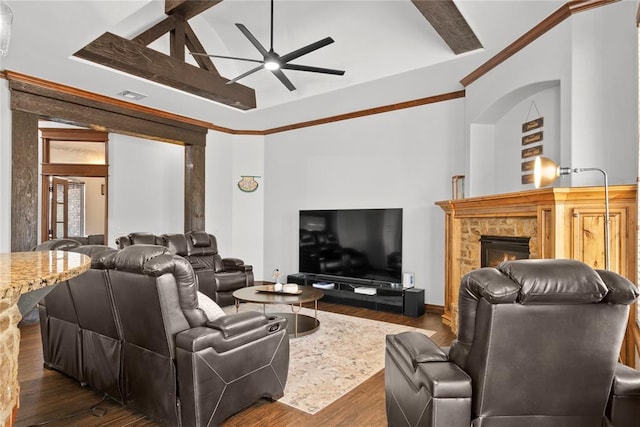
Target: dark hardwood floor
pixel 50 397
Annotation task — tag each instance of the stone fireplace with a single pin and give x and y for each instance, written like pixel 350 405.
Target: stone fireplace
pixel 495 249
pixel 474 228
pixel 558 223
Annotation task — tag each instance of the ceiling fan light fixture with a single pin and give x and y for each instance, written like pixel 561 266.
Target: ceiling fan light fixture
pixel 271 64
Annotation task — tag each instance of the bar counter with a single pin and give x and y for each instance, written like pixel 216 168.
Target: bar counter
pixel 20 273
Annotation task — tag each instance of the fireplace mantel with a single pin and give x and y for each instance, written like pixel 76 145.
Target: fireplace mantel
pixel 561 223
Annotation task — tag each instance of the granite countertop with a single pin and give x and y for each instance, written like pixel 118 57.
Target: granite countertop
pixel 27 271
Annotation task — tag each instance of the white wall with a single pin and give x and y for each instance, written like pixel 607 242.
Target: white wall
pixel 588 63
pixel 236 218
pixel 403 159
pixel 5 167
pixel 146 186
pixel 248 208
pixel 604 95
pixel 219 189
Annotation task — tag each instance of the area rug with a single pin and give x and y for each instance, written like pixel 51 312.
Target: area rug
pixel 343 353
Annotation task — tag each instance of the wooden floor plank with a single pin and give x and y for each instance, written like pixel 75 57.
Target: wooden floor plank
pixel 47 395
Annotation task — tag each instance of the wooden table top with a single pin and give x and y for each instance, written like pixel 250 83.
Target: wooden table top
pixel 251 294
pixel 27 271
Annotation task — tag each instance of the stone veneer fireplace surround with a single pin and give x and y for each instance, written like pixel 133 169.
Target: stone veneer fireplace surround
pixel 561 223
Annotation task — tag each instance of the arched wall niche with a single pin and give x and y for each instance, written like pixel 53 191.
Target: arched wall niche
pixel 495 137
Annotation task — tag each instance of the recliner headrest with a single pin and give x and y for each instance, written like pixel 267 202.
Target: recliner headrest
pixel 177 242
pixel 555 281
pixel 133 258
pixel 144 238
pixel 57 245
pixel 621 290
pixel 201 244
pixel 199 239
pixel 97 253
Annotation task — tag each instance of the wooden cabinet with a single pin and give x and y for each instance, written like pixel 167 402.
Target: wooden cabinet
pixel 560 222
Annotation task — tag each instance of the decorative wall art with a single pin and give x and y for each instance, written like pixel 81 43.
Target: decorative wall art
pixel 532 136
pixel 248 183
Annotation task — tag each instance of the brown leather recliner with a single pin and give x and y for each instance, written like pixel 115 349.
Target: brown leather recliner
pixel 100 331
pixel 61 346
pixel 178 367
pixel 218 276
pixel 80 334
pixel 538 345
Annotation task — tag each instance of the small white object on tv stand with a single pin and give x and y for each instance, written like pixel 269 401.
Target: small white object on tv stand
pixel 408 280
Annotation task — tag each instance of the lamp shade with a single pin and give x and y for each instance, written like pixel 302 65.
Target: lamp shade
pixel 6 20
pixel 545 171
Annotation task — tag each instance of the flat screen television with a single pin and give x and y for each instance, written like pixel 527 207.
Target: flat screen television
pixel 360 243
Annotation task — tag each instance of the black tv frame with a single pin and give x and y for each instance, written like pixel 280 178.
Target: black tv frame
pixel 356 243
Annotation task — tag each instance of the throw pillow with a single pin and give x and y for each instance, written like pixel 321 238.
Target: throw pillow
pixel 209 306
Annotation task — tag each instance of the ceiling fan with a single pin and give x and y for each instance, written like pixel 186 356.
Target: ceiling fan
pixel 275 62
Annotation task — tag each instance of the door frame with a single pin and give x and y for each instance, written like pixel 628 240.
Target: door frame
pixel 72 170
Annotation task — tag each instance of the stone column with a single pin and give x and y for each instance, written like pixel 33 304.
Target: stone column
pixel 9 348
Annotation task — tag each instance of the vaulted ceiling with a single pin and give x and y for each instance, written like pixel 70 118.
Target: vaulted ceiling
pixel 391 50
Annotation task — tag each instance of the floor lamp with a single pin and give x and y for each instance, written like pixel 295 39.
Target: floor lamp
pixel 546 171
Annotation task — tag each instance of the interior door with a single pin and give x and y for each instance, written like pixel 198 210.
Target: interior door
pixel 59 213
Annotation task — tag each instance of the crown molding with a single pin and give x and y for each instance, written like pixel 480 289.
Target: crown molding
pixel 69 90
pixel 369 112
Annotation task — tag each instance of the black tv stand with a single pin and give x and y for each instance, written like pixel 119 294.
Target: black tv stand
pixel 388 296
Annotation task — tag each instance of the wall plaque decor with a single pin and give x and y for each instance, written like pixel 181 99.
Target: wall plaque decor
pixel 533 124
pixel 527 179
pixel 531 138
pixel 248 183
pixel 532 152
pixel 532 133
pixel 527 166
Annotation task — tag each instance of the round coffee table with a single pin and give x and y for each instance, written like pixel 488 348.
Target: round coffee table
pixel 298 324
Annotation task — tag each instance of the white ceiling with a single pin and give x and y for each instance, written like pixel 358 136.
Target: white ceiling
pixel 388 49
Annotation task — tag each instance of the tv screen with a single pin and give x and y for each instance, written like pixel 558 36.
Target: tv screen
pixel 360 243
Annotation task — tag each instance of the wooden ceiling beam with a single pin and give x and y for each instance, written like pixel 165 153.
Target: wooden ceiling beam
pixel 446 19
pixel 177 39
pixel 194 45
pixel 154 33
pixel 209 84
pixel 188 8
pixel 191 40
pixel 133 58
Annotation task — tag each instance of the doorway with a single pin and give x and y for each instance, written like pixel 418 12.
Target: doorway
pixel 74 185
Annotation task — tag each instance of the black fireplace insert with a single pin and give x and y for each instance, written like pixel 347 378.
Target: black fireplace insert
pixel 495 249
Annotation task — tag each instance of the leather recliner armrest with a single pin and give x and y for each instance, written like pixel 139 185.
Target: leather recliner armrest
pixel 422 383
pixel 623 408
pixel 235 264
pixel 238 323
pixel 232 262
pixel 200 338
pixel 427 365
pixel 444 380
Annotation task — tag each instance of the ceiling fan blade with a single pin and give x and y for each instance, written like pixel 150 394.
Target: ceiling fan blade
pixel 307 49
pixel 243 75
pixel 226 57
pixel 285 81
pixel 252 39
pixel 312 69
